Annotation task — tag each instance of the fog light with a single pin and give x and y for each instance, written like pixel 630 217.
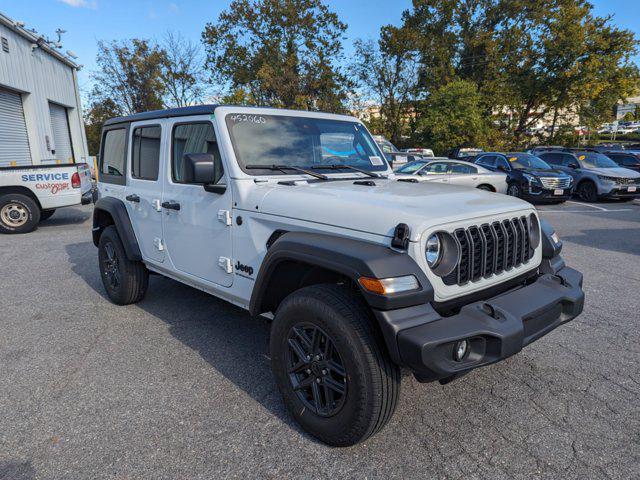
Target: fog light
pixel 460 350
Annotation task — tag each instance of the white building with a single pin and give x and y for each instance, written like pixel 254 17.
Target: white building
pixel 40 110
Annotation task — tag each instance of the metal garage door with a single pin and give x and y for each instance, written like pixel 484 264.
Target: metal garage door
pixel 60 130
pixel 14 142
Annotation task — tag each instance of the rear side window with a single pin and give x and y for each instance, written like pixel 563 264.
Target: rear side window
pixel 192 138
pixel 460 168
pixel 145 154
pixel 553 158
pixel 112 159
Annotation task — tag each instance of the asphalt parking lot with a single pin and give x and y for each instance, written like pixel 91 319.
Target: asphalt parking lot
pixel 179 386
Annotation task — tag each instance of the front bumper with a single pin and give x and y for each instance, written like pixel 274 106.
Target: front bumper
pixel 534 193
pixel 496 328
pixel 619 191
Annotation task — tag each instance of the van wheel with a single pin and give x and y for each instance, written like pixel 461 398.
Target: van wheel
pixel 588 191
pixel 334 374
pixel 125 281
pixel 46 214
pixel 18 213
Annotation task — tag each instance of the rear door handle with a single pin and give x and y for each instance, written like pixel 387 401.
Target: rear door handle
pixel 171 205
pixel 133 198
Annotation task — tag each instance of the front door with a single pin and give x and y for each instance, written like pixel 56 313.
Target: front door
pixel 197 223
pixel 436 172
pixel 143 193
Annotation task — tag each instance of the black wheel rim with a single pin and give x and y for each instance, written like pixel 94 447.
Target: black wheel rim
pixel 110 266
pixel 588 192
pixel 514 191
pixel 316 370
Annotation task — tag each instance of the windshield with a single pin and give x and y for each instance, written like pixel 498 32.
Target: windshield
pixel 595 160
pixel 410 167
pixel 525 160
pixel 301 142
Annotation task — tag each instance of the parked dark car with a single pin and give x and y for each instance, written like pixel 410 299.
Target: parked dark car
pixel 595 175
pixel 468 154
pixel 529 177
pixel 625 159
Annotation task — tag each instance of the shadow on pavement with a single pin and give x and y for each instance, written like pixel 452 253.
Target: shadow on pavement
pixel 66 216
pixel 227 337
pixel 625 240
pixel 17 471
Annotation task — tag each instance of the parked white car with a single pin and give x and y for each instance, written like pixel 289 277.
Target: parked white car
pixel 453 172
pixel 29 194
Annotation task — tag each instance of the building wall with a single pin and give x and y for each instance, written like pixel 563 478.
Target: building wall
pixel 41 78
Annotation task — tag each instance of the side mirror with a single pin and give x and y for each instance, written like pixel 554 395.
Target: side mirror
pixel 502 168
pixel 574 166
pixel 202 168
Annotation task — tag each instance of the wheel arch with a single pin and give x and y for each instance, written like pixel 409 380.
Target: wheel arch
pixel 22 190
pixel 487 186
pixel 112 211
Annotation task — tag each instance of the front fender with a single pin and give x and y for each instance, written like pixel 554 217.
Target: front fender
pixel 110 210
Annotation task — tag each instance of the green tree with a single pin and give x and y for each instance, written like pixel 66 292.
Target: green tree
pixel 130 74
pixel 451 117
pixel 281 53
pixel 182 71
pixel 98 112
pixel 386 72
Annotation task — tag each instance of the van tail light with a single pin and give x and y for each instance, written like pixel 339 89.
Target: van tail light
pixel 75 180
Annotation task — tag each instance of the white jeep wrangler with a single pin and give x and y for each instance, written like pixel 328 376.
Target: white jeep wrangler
pixel 296 215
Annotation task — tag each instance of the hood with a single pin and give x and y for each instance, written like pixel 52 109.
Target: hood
pixel 543 173
pixel 618 172
pixel 377 209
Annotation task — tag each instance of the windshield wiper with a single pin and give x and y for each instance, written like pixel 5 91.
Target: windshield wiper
pixel 284 168
pixel 340 166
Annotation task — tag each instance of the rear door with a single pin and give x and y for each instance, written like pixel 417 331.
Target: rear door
pixel 143 193
pixel 62 147
pixel 197 223
pixel 464 174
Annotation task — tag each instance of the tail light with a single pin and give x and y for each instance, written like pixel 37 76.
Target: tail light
pixel 75 180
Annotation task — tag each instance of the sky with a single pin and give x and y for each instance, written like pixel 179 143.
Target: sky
pixel 87 21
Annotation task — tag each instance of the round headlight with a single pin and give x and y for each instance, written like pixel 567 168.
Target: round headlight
pixel 534 231
pixel 442 253
pixel 433 251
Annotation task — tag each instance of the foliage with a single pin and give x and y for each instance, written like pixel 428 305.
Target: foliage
pixel 182 73
pixel 387 74
pixel 98 112
pixel 452 116
pixel 280 53
pixel 130 74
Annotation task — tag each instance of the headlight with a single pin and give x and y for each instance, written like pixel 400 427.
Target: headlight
pixel 555 238
pixel 433 252
pixel 534 231
pixel 531 178
pixel 604 178
pixel 442 253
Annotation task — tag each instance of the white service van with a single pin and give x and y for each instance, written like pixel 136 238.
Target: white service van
pixel 29 194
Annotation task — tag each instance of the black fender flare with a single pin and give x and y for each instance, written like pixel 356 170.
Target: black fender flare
pixel 349 257
pixel 118 212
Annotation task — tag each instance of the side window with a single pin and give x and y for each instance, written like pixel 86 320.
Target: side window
pixel 458 168
pixel 553 158
pixel 113 155
pixel 192 138
pixel 487 160
pixel 568 160
pixel 145 155
pixel 502 162
pixel 437 168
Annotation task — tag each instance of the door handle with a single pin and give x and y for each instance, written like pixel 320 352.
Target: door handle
pixel 133 198
pixel 171 205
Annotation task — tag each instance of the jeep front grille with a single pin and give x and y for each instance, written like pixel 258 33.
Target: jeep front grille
pixel 489 249
pixel 555 182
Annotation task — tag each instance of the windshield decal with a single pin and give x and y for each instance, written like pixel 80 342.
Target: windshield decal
pixel 375 160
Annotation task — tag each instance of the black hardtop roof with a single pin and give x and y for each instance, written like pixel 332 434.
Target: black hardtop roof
pixel 168 113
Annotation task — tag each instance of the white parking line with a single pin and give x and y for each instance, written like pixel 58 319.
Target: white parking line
pixel 589 205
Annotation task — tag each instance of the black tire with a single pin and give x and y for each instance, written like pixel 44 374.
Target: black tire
pixel 371 380
pixel 46 214
pixel 587 191
pixel 18 213
pixel 125 281
pixel 486 188
pixel 514 190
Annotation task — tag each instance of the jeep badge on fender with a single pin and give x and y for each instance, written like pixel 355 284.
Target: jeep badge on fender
pixel 478 274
